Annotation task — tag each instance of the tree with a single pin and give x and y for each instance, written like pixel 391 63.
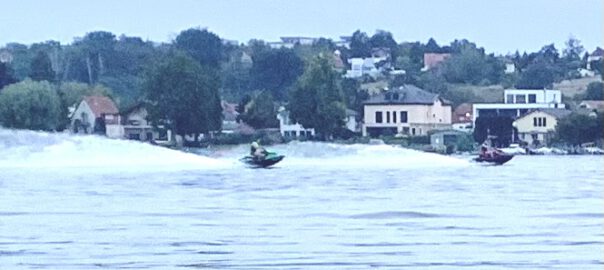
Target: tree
pixel 432 46
pixel 183 95
pixel 41 68
pixel 72 93
pixel 202 45
pixel 6 75
pixel 260 112
pixel 537 75
pixel 317 101
pixel 359 45
pixel 471 65
pixel 576 128
pixel 276 71
pixel 595 91
pixel 433 82
pixel 384 39
pixel 354 96
pixel 30 105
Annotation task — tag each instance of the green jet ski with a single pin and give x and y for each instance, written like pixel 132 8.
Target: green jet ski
pixel 270 159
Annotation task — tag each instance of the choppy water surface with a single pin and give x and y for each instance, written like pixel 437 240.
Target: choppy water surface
pixel 90 203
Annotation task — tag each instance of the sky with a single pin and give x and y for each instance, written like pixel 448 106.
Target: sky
pixel 500 26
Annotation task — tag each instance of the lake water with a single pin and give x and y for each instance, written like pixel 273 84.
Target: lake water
pixel 92 203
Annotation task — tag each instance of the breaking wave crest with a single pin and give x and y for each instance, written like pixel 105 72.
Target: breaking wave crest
pixel 330 155
pixel 33 149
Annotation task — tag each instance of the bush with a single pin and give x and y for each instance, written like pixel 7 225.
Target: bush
pixel 30 105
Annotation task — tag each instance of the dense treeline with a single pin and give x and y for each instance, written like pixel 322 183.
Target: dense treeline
pixel 183 82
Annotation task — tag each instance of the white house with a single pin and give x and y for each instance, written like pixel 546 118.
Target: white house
pixel 90 115
pixel 518 102
pixel 364 66
pixel 289 129
pixel 537 127
pixel 407 110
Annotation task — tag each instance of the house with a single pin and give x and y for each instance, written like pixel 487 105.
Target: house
pixel 290 42
pixel 596 55
pixel 537 126
pixel 289 129
pixel 445 141
pixel 132 124
pixel 509 68
pixel 518 102
pixel 462 118
pixel 597 105
pixel 408 110
pixel 370 66
pixel 89 115
pixel 432 60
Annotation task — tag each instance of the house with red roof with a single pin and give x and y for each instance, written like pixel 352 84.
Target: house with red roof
pixel 92 114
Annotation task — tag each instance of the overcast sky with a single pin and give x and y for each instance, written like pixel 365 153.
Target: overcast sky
pixel 499 26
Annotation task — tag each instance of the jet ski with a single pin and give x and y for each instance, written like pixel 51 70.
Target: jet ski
pixel 270 159
pixel 497 157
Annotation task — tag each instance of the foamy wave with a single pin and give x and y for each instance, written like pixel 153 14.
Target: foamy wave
pixel 318 155
pixel 30 149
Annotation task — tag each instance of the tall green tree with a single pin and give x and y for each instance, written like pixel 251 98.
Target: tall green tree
pixel 260 111
pixel 359 45
pixel 202 45
pixel 184 95
pixel 30 105
pixel 276 71
pixel 595 91
pixel 317 101
pixel 41 68
pixel 576 128
pixel 6 75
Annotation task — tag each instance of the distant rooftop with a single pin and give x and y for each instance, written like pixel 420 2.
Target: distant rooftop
pixel 406 94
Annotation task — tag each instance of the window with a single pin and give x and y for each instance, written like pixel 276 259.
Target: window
pixel 387 117
pixel 393 117
pixel 405 130
pixel 403 117
pixel 412 131
pixel 509 98
pixel 520 98
pixel 378 117
pixel 532 98
pixel 539 121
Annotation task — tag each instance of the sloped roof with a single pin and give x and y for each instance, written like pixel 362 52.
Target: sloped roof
pixel 101 105
pixel 557 113
pixel 593 104
pixel 406 94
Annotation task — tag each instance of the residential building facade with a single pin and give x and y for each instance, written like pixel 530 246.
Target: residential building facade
pixel 407 110
pixel 537 127
pixel 518 102
pixel 89 115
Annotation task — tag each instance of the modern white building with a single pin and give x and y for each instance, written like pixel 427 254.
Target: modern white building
pixel 364 66
pixel 518 102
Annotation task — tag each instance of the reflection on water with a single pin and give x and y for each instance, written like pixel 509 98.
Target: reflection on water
pixel 328 212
